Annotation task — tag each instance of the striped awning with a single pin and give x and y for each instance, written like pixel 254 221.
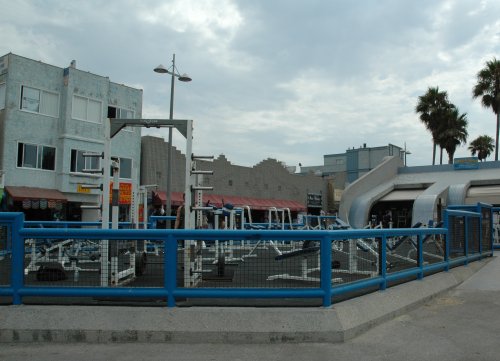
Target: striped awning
pixel 237 201
pixel 31 193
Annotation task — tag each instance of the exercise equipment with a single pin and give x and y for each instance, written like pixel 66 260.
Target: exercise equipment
pixel 308 253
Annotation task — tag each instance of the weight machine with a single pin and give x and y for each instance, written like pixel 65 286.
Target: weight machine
pixel 192 259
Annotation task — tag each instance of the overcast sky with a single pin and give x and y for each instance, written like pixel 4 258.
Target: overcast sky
pixel 289 80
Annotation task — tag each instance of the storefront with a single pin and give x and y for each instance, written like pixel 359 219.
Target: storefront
pixel 37 204
pixel 259 207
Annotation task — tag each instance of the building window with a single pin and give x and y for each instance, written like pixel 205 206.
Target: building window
pixel 2 96
pixel 39 101
pixel 79 162
pixel 230 182
pixel 339 161
pixel 86 109
pixel 121 113
pixel 36 156
pixel 279 188
pixel 126 168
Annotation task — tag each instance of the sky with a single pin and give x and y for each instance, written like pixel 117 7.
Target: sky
pixel 284 79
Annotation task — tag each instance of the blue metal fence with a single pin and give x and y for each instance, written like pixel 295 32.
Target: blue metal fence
pixel 461 237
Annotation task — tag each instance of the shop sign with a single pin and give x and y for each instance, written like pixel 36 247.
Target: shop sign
pixel 125 196
pixel 466 163
pixel 81 189
pixel 314 200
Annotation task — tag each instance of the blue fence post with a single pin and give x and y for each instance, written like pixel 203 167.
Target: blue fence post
pixel 170 267
pixel 383 261
pixel 420 260
pixel 326 270
pixel 17 270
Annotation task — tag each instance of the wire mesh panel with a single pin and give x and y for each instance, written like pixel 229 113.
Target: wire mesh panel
pixel 486 228
pixel 433 248
pixel 79 262
pixel 256 264
pixel 149 264
pixel 61 262
pixel 402 253
pixel 456 232
pixel 473 241
pixel 5 254
pixel 355 259
pixel 280 263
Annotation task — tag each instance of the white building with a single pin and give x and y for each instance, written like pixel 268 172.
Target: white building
pixel 418 194
pixel 50 116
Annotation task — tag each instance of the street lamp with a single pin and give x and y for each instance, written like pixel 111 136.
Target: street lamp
pixel 185 78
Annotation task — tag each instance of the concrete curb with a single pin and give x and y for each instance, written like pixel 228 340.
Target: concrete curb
pixel 114 324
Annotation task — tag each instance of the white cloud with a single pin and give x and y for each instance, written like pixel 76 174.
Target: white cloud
pixel 204 16
pixel 26 41
pixel 291 80
pixel 214 23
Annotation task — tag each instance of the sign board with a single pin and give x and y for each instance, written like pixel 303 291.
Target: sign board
pixel 81 189
pixel 466 163
pixel 337 194
pixel 314 200
pixel 125 193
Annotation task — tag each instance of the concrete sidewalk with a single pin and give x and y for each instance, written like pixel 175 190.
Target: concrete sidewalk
pixel 229 325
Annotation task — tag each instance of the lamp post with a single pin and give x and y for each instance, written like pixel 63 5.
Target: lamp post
pixel 185 78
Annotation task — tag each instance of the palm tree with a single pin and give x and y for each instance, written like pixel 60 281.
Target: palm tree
pixel 433 107
pixel 452 132
pixel 488 88
pixel 483 146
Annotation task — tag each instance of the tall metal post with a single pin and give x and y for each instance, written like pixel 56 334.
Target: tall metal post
pixel 185 78
pixel 169 148
pixel 189 245
pixel 115 198
pixel 105 202
pixel 115 195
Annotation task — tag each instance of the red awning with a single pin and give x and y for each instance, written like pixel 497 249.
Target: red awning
pixel 176 197
pixel 260 204
pixel 22 193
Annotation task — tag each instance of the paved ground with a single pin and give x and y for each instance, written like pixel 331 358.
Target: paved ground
pixel 460 324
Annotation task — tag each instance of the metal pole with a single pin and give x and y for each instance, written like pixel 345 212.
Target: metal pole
pixel 105 203
pixel 115 194
pixel 169 148
pixel 145 208
pixel 405 154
